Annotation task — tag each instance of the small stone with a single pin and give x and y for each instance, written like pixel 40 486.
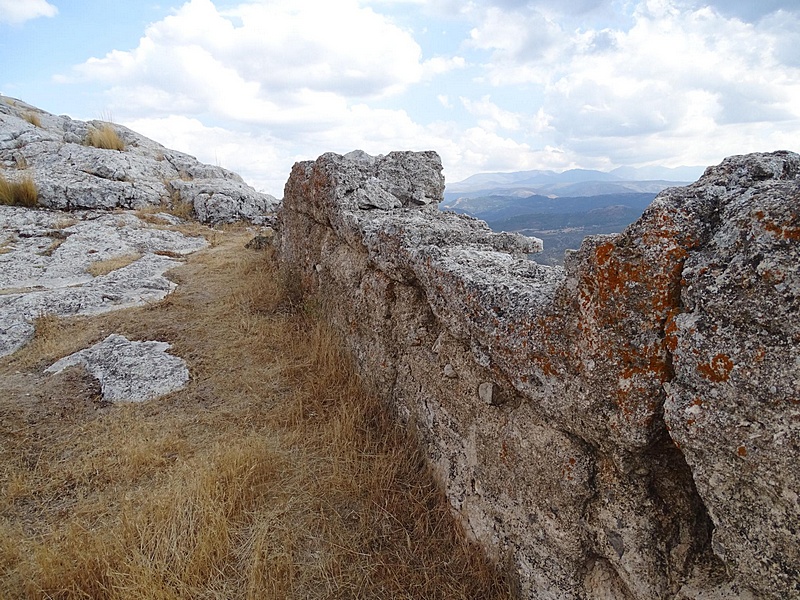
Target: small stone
pixel 259 242
pixel 450 372
pixel 486 392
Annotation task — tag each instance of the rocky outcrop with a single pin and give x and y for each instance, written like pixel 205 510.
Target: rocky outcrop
pixel 46 260
pixel 70 174
pixel 625 427
pixel 129 371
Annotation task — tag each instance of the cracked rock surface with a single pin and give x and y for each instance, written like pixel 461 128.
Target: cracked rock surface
pixel 44 257
pixel 129 371
pixel 625 428
pixel 71 175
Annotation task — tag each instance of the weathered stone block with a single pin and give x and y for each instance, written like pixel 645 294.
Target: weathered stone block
pixel 626 427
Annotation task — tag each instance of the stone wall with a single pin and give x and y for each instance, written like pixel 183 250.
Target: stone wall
pixel 627 427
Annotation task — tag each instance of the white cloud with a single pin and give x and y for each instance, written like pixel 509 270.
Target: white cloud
pixel 492 116
pixel 439 65
pixel 516 38
pixel 17 12
pixel 281 81
pixel 693 84
pixel 264 84
pixel 264 53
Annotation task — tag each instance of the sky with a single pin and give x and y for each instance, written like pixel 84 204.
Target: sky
pixel 498 85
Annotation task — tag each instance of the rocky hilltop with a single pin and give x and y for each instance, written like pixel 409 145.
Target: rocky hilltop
pixel 92 260
pixel 62 158
pixel 626 427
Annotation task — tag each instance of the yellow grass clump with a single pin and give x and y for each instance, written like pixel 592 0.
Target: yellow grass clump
pixel 272 475
pixel 32 118
pixel 18 193
pixel 103 267
pixel 105 137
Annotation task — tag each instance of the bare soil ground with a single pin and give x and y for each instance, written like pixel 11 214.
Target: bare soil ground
pixel 272 475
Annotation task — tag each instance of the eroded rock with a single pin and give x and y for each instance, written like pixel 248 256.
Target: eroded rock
pixel 129 371
pixel 575 477
pixel 71 175
pixel 46 254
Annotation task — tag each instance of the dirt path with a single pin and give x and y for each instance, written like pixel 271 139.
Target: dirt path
pixel 271 475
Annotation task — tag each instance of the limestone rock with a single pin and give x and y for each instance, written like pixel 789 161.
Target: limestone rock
pixel 734 402
pixel 681 329
pixel 46 254
pixel 129 371
pixel 70 175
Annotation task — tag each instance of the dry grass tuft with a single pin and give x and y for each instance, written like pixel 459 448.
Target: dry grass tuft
pixel 182 209
pixel 32 118
pixel 176 205
pixel 18 193
pixel 65 222
pixel 48 340
pixel 105 137
pixel 272 475
pixel 104 267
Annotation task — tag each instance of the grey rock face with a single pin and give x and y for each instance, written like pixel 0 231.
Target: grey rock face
pixel 129 371
pixel 44 261
pixel 70 175
pixel 626 427
pixel 734 402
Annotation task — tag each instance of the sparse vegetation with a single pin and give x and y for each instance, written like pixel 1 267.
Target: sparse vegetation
pixel 105 137
pixel 6 245
pixel 272 475
pixel 64 222
pixel 54 245
pixel 103 267
pixel 32 118
pixel 18 193
pixel 182 209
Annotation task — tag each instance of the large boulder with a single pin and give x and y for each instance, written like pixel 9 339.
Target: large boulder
pixel 71 174
pixel 623 428
pixel 733 404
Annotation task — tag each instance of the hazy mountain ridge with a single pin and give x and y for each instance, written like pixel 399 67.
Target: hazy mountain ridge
pixel 628 177
pixel 563 208
pixel 495 208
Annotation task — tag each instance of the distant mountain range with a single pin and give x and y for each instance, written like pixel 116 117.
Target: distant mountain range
pixel 575 182
pixel 563 208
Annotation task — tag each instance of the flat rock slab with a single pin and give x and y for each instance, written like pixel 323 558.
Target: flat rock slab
pixel 45 258
pixel 129 371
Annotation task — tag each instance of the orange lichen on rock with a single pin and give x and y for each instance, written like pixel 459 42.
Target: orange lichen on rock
pixel 718 369
pixel 785 232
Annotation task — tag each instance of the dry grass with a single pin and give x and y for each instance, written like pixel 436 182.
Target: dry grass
pixel 272 475
pixel 103 267
pixel 176 205
pixel 65 222
pixel 18 193
pixel 182 209
pixel 105 137
pixel 32 118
